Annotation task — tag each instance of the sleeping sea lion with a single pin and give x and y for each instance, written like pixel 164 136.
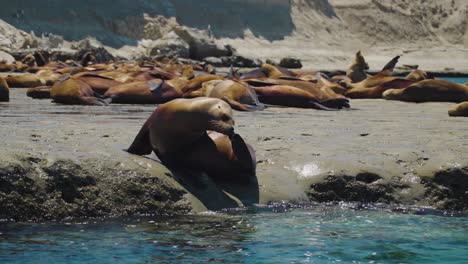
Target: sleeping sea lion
pixel 156 91
pixel 40 92
pixel 74 91
pixel 291 96
pixel 240 96
pixel 416 75
pixel 460 109
pixel 177 133
pixel 23 81
pixel 429 91
pixel 377 91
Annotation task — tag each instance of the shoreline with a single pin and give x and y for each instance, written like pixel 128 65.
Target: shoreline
pixel 56 165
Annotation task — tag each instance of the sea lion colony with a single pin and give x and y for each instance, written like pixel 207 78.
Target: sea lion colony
pixel 195 127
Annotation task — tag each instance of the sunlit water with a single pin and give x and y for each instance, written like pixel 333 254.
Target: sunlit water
pixel 323 234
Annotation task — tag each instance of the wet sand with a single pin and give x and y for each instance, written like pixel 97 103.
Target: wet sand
pixel 379 151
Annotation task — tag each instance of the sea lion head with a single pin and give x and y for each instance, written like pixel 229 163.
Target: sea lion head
pixel 393 94
pixel 220 116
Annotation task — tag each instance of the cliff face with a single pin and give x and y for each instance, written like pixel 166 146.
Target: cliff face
pixel 119 22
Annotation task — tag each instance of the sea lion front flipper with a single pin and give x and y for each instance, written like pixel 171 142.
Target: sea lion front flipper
pixel 244 153
pixel 141 145
pixel 236 105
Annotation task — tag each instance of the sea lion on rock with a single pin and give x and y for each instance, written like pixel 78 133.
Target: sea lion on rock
pixel 4 90
pixel 74 91
pixel 416 75
pixel 460 109
pixel 98 83
pixel 377 91
pixel 357 70
pixel 40 92
pixel 372 81
pixel 240 96
pixel 177 133
pixel 197 82
pixel 291 96
pixel 429 91
pixel 24 81
pixel 156 91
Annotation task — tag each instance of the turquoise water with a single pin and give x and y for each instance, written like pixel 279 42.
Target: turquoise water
pixel 456 79
pixel 315 235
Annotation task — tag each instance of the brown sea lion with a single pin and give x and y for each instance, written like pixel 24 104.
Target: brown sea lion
pixel 4 90
pixel 291 96
pixel 197 82
pixel 7 67
pixel 466 84
pixel 357 70
pixel 240 96
pixel 334 86
pixel 24 81
pixel 74 91
pixel 371 81
pixel 40 92
pixel 177 133
pixel 429 91
pixel 156 91
pixel 416 75
pixel 98 83
pixel 391 64
pixel 460 109
pixel 320 92
pixel 377 91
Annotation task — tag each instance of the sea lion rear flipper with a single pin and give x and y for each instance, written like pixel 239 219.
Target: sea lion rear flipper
pixel 391 64
pixel 320 106
pixel 244 153
pixel 141 145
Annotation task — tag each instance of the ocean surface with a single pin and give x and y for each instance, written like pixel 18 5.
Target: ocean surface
pixel 319 234
pixel 277 234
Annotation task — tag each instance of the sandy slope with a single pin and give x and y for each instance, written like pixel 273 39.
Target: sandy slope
pixel 324 34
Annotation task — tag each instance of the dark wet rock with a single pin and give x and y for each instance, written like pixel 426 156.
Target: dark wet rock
pixel 291 63
pixel 364 187
pixel 170 46
pixel 240 61
pixel 448 189
pixel 86 45
pixel 201 46
pixel 33 189
pixel 62 54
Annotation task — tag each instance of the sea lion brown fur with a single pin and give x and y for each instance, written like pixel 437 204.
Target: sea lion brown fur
pixel 430 91
pixel 4 90
pixel 177 133
pixel 460 109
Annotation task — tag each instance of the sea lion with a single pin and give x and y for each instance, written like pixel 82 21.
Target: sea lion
pixel 177 133
pixel 466 84
pixel 197 82
pixel 156 91
pixel 416 75
pixel 24 81
pixel 4 90
pixel 74 91
pixel 320 92
pixel 460 109
pixel 40 92
pixel 357 70
pixel 291 96
pixel 98 83
pixel 372 81
pixel 240 96
pixel 377 91
pixel 429 91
